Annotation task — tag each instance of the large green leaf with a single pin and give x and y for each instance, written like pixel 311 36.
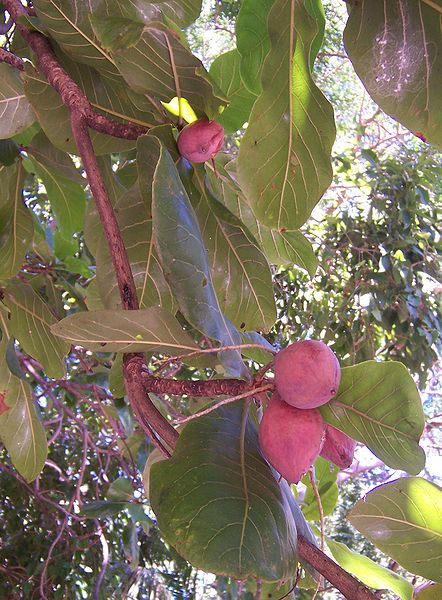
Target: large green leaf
pixel 325 478
pixel 133 210
pixel 404 519
pixel 378 404
pixel 20 428
pixel 282 248
pixel 149 330
pixel 31 322
pixel 67 21
pixel 64 184
pixel 240 272
pixel 225 72
pixel 252 39
pixel 49 108
pixel 218 503
pixel 16 113
pixel 284 163
pixel 180 12
pixel 16 227
pixel 159 64
pixel 185 262
pixel 396 50
pixel 370 572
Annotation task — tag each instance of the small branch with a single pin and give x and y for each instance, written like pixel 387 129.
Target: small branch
pixel 207 411
pixel 208 388
pixel 11 59
pixel 351 588
pixel 71 94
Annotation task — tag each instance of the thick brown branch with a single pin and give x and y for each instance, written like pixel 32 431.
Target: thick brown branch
pixel 150 418
pixel 185 387
pixel 70 92
pixel 351 588
pixel 14 61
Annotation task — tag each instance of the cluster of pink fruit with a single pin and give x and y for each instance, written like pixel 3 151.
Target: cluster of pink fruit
pixel 292 432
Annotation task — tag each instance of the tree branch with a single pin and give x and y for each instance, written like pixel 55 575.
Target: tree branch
pixel 149 417
pixel 351 588
pixel 14 61
pixel 71 94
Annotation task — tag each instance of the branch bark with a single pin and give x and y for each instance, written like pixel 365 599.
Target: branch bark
pixel 351 588
pixel 10 58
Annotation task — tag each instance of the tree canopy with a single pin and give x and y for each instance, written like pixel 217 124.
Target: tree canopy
pixel 186 190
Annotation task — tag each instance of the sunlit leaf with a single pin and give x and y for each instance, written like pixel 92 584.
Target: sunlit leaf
pixel 225 72
pixel 378 404
pixel 404 519
pixel 151 329
pixel 325 479
pixel 252 38
pixel 395 48
pixel 284 163
pixel 219 504
pixel 369 572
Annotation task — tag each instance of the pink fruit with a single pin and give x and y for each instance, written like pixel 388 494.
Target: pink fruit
pixel 307 374
pixel 338 447
pixel 290 438
pixel 201 140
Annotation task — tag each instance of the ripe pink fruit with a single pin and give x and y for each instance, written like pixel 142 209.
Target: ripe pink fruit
pixel 291 439
pixel 307 374
pixel 201 140
pixel 338 447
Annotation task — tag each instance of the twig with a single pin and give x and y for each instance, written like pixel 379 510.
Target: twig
pixel 215 406
pixel 350 587
pixel 319 503
pixel 10 58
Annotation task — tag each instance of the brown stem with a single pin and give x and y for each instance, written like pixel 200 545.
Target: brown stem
pixel 351 588
pixel 150 418
pixel 14 61
pixel 58 78
pixel 185 387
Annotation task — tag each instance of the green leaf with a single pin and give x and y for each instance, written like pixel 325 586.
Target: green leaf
pixel 284 163
pixel 378 404
pixel 49 109
pixel 316 9
pixel 218 503
pixel 64 184
pixel 121 490
pixel 240 272
pixel 282 248
pixel 185 262
pixel 31 322
pixel 395 48
pixel 225 72
pixel 16 113
pixel 252 38
pixel 16 226
pixel 9 152
pixel 20 428
pixel 433 592
pixel 149 330
pixel 181 12
pixel 160 65
pixel 404 519
pixel 325 478
pixel 67 22
pixel 370 572
pixel 100 509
